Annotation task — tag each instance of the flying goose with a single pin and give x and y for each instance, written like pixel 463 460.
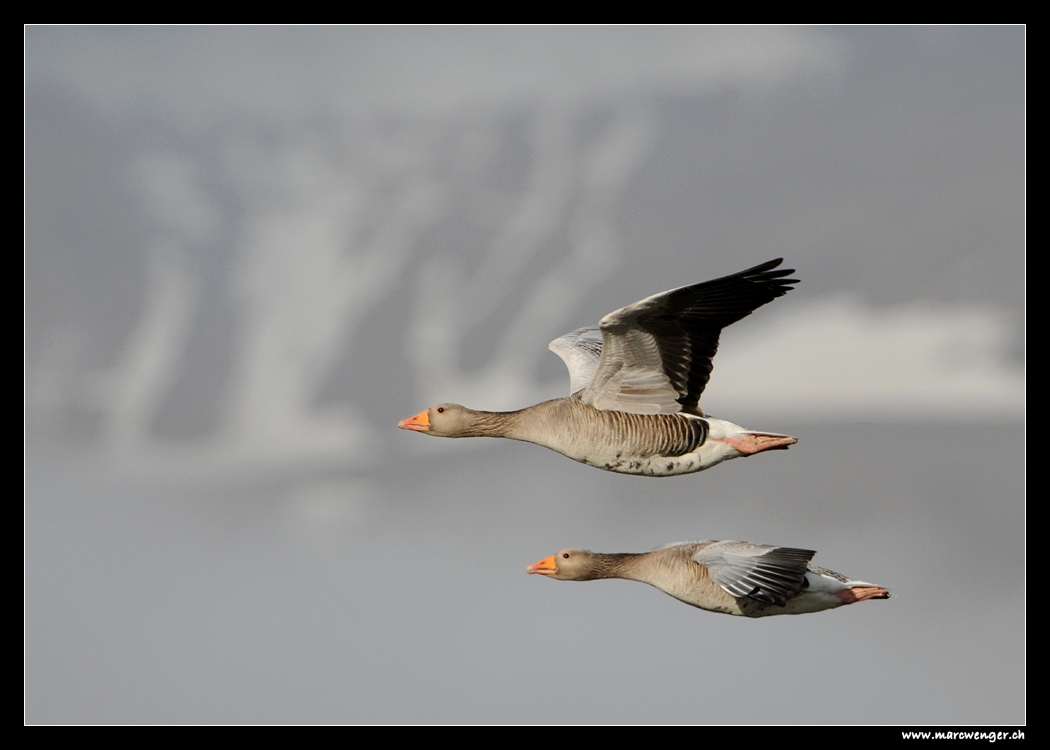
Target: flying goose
pixel 736 578
pixel 636 382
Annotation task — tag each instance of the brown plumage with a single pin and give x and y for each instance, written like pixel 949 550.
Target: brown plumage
pixel 736 578
pixel 634 407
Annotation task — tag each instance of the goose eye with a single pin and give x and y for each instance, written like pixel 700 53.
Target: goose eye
pixel 441 410
pixel 565 555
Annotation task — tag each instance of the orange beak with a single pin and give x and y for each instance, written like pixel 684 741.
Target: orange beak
pixel 544 567
pixel 419 423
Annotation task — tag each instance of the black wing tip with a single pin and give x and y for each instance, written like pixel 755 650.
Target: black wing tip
pixel 792 554
pixel 765 270
pixel 783 573
pixel 764 275
pixel 768 265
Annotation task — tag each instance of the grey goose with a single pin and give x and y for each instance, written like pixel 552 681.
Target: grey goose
pixel 635 384
pixel 735 578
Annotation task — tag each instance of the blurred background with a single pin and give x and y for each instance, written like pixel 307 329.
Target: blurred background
pixel 251 251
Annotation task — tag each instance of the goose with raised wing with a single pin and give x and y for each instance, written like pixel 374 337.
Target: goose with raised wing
pixel 735 578
pixel 636 382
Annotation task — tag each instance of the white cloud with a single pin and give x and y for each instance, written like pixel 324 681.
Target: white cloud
pixel 840 359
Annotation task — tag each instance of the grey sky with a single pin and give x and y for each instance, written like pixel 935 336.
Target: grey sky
pixel 250 251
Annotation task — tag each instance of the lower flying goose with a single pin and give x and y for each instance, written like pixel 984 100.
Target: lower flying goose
pixel 736 578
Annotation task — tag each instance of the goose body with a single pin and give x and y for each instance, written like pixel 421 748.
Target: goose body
pixel 636 382
pixel 735 578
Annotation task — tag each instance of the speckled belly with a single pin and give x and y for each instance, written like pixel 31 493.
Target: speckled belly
pixel 709 454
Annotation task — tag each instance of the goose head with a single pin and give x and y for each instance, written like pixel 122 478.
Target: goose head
pixel 568 565
pixel 443 420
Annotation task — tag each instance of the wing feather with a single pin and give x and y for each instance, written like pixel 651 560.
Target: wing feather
pixel 580 351
pixel 757 571
pixel 655 356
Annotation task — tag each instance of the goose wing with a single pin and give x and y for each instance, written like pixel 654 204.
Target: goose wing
pixel 580 350
pixel 655 355
pixel 759 571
